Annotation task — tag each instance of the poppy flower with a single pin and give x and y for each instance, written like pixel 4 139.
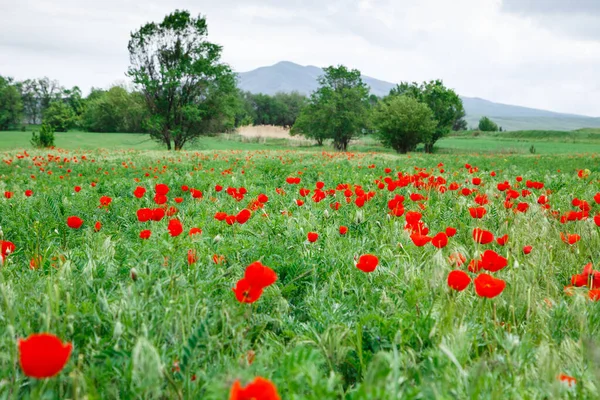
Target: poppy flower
pixel 440 240
pixel 218 188
pixel 218 259
pixel 175 228
pixel 527 249
pixel 178 200
pixel 139 192
pixel 367 262
pixel 343 230
pixel 419 240
pixel 77 189
pixel 196 194
pixel 475 265
pixel 144 214
pixel 594 294
pixel 597 220
pixel 458 280
pixel 476 181
pixel 450 231
pixel 230 219
pixel 299 202
pixel 158 214
pixel 195 231
pixel 8 195
pixel 492 261
pixel 482 236
pixel 263 198
pixel 6 248
pixel 570 238
pixel 28 193
pixel 105 201
pixel 258 389
pixel 243 216
pixel 97 226
pixel 74 222
pixel 488 286
pixel 312 236
pixel 192 257
pixel 569 380
pixel 161 189
pixel 220 216
pixel 160 199
pixel 43 355
pixel 477 212
pixel 145 234
pixel 256 277
pixel 502 240
pixel 583 279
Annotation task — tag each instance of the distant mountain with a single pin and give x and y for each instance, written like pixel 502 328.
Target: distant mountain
pixel 287 76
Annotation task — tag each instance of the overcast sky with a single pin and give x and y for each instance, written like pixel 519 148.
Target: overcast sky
pixel 537 53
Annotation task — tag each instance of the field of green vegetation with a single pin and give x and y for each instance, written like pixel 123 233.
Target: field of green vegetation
pixel 146 309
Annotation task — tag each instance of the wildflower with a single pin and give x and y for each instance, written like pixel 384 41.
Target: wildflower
pixel 367 263
pixel 43 355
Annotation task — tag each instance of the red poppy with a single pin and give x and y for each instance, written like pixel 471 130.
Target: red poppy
pixel 195 231
pixel 160 199
pixel 440 240
pixel 367 262
pixel 522 207
pixel 569 380
pixel 178 200
pixel 218 188
pixel 450 231
pixel 312 236
pixel 97 226
pixel 299 202
pixel 144 214
pixel 458 280
pixel 77 189
pixel 6 248
pixel 419 240
pixel 583 279
pixel 218 259
pixel 196 194
pixel 343 230
pixel 570 238
pixel 476 181
pixel 8 195
pixel 488 286
pixel 43 355
pixel 192 257
pixel 158 214
pixel 492 261
pixel 220 216
pixel 502 240
pixel 161 189
pixel 230 219
pixel 482 236
pixel 258 389
pixel 597 220
pixel 527 249
pixel 475 265
pixel 594 294
pixel 74 222
pixel 145 234
pixel 256 277
pixel 243 216
pixel 477 212
pixel 105 201
pixel 263 198
pixel 175 228
pixel 139 192
pixel 28 193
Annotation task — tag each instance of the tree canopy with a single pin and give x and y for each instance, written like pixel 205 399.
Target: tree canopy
pixel 188 91
pixel 337 110
pixel 487 125
pixel 10 104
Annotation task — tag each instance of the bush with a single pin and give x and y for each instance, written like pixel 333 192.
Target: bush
pixel 487 125
pixel 59 116
pixel 45 138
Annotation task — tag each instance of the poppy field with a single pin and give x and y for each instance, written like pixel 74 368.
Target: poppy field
pixel 298 275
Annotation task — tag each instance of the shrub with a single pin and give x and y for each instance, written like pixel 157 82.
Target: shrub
pixel 487 125
pixel 45 137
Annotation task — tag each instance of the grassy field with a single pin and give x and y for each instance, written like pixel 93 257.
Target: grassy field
pixel 157 317
pixel 544 142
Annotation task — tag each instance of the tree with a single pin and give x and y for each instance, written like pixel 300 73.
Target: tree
pixel 338 109
pixel 188 91
pixel 10 104
pixel 115 110
pixel 460 123
pixel 402 122
pixel 59 116
pixel 446 105
pixel 487 125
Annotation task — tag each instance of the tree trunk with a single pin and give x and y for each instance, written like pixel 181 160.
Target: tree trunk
pixel 428 147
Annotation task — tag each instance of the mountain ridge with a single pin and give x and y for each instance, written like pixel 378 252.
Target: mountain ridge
pixel 287 76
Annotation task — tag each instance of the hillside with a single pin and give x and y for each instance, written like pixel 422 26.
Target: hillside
pixel 286 76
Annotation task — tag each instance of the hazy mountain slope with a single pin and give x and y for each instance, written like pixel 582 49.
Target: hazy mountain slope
pixel 286 76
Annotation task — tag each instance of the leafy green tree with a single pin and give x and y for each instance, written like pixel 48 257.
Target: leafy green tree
pixel 115 110
pixel 59 116
pixel 460 123
pixel 402 122
pixel 337 110
pixel 487 125
pixel 188 91
pixel 446 105
pixel 11 105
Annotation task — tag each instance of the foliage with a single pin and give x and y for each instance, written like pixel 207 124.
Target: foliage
pixel 337 110
pixel 402 122
pixel 446 105
pixel 115 110
pixel 59 116
pixel 487 125
pixel 189 92
pixel 45 138
pixel 11 105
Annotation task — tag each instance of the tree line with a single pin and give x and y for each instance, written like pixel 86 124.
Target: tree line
pixel 182 91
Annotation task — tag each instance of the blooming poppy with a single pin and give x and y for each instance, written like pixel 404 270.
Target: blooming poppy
pixel 139 192
pixel 158 214
pixel 28 193
pixel 192 257
pixel 263 198
pixel 367 262
pixel 97 226
pixel 243 216
pixel 144 214
pixel 258 389
pixel 160 199
pixel 74 222
pixel 450 231
pixel 77 189
pixel 477 212
pixel 6 248
pixel 175 228
pixel 343 230
pixel 195 231
pixel 570 238
pixel 419 240
pixel 230 219
pixel 161 189
pixel 220 216
pixel 458 280
pixel 492 261
pixel 502 240
pixel 8 195
pixel 105 201
pixel 312 236
pixel 527 249
pixel 440 240
pixel 488 286
pixel 43 355
pixel 594 294
pixel 256 277
pixel 145 234
pixel 482 236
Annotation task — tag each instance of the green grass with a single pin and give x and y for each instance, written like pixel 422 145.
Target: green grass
pixel 324 330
